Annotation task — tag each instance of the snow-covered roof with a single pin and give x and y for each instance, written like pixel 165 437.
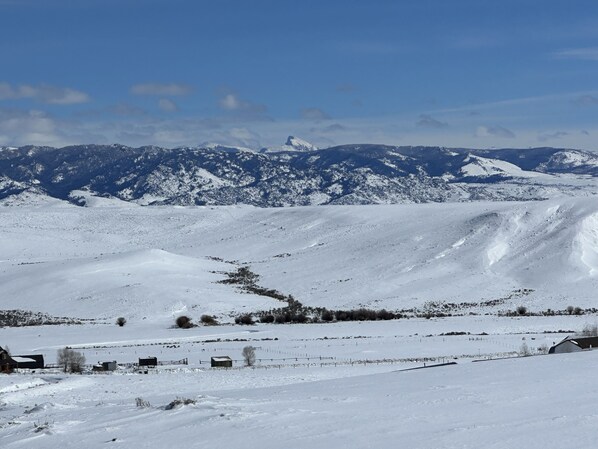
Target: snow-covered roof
pixel 20 359
pixel 224 358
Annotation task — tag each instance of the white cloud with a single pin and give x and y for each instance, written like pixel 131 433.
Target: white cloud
pixel 233 103
pixel 29 127
pixel 43 93
pixel 167 105
pixel 159 89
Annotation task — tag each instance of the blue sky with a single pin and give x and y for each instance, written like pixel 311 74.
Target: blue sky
pixel 468 73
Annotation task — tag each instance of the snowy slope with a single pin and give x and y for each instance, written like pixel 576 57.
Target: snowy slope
pixel 109 260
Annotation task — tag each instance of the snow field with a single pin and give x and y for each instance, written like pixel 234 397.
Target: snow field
pixel 524 402
pixel 316 385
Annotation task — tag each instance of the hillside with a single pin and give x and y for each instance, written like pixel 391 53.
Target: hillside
pixel 120 259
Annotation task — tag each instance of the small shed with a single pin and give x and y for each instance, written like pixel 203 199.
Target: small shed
pixel 109 366
pixel 33 361
pixel 574 344
pixel 223 361
pixel 105 366
pixel 150 362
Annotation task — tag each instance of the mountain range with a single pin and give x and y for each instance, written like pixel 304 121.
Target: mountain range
pixel 296 173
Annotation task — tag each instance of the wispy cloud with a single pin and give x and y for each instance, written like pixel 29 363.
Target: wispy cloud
pixel 552 136
pixel 535 101
pixel 43 93
pixel 494 131
pixel 585 54
pixel 162 90
pixel 230 101
pixel 167 105
pixel 314 114
pixel 427 121
pixel 586 100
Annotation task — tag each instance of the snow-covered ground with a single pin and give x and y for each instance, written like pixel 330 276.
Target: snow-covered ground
pixel 315 385
pixel 112 260
pixel 325 385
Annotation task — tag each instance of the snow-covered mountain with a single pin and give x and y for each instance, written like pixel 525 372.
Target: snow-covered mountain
pixel 296 174
pixel 292 144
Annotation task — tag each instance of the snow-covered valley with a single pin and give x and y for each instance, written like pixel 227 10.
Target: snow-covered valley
pixel 334 384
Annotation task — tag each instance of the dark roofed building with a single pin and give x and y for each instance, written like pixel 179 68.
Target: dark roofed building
pixel 35 361
pixel 574 344
pixel 223 361
pixel 150 362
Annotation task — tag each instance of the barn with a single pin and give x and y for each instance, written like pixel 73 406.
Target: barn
pixel 221 362
pixel 574 344
pixel 34 361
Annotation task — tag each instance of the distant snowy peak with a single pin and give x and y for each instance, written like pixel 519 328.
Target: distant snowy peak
pixel 300 144
pixel 294 144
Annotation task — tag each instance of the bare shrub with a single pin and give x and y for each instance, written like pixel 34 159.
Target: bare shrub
pixel 590 330
pixel 249 355
pixel 41 427
pixel 121 321
pixel 71 361
pixel 208 320
pixel 183 322
pixel 521 310
pixel 179 402
pixel 246 319
pixel 267 319
pixel 142 403
pixel 524 350
pixel 570 310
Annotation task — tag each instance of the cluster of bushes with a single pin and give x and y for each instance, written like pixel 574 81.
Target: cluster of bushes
pixel 300 314
pixel 246 319
pixel 363 314
pixel 247 279
pixel 523 311
pixel 19 318
pixel 185 322
pixel 208 320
